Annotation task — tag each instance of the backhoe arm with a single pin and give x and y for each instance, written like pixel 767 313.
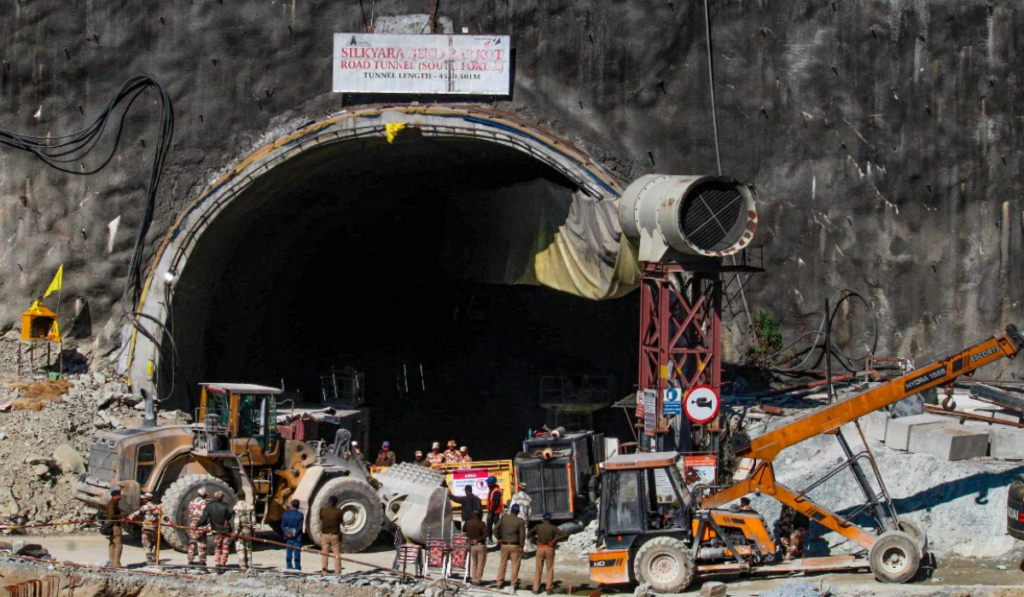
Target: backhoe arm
pixel 942 372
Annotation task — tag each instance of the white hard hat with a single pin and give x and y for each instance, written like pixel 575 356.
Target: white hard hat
pixel 202 492
pixel 355 443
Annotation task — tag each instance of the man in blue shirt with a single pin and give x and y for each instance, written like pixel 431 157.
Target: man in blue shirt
pixel 291 527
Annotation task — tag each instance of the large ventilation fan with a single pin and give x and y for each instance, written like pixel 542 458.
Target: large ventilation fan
pixel 707 216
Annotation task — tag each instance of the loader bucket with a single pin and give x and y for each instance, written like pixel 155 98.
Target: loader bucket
pixel 415 501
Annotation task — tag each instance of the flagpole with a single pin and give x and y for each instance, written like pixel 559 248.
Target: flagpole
pixel 60 293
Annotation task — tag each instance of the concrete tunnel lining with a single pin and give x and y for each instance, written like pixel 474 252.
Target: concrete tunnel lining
pixel 452 123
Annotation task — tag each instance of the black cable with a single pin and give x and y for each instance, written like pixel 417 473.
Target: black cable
pixel 845 360
pixel 55 151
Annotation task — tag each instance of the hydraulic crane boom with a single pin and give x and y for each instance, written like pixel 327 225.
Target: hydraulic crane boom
pixel 830 418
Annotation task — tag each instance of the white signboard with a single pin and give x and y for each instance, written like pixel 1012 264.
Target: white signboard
pixel 429 64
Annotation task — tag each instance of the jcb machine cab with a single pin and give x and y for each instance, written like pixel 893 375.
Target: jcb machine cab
pixel 651 531
pixel 236 448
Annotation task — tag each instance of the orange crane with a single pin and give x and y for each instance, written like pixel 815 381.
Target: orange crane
pixel 829 419
pixel 652 530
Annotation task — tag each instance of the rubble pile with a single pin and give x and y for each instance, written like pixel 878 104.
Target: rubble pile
pixel 45 438
pixel 583 541
pixel 961 504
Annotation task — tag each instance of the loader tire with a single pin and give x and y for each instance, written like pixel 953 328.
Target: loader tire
pixel 665 564
pixel 175 505
pixel 362 513
pixel 895 557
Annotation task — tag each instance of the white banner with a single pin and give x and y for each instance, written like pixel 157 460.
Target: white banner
pixel 429 64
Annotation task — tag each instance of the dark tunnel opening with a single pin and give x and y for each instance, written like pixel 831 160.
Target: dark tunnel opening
pixel 393 258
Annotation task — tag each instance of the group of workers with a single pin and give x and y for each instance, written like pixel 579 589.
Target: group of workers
pixel 205 516
pixel 509 531
pixel 386 456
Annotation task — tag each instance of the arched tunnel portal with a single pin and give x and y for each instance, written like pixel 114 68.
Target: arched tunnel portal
pixel 424 261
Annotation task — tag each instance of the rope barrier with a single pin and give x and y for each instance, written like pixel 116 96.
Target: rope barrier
pixel 309 550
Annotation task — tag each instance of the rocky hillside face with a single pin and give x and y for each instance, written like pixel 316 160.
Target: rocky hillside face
pixel 884 138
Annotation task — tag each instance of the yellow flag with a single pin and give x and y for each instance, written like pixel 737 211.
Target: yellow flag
pixel 392 130
pixel 58 281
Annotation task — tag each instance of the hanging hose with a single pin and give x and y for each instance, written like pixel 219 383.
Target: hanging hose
pixel 818 335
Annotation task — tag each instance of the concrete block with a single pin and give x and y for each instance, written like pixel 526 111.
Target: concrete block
pixel 875 425
pixel 897 434
pixel 949 441
pixel 1006 442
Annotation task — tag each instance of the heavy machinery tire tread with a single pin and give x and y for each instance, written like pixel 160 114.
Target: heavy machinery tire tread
pixel 895 544
pixel 679 551
pixel 175 504
pixel 348 489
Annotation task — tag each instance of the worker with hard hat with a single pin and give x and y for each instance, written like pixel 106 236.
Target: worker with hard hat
pixel 420 460
pixel 545 535
pixel 464 456
pixel 495 506
pixel 435 456
pixel 385 457
pixel 451 455
pixel 511 537
pixel 357 451
pixel 196 533
pixel 245 523
pixel 148 514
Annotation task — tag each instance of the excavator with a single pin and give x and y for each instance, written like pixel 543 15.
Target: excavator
pixel 652 530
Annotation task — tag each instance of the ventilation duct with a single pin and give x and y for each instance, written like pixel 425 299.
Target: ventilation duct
pixel 673 217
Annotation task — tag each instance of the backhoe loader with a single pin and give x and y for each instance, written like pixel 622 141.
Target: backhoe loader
pixel 653 530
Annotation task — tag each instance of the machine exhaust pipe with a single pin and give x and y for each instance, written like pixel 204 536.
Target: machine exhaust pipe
pixel 149 419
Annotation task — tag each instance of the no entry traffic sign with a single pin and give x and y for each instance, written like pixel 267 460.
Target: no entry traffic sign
pixel 701 404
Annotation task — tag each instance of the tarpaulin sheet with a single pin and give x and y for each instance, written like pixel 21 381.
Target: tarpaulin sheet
pixel 540 232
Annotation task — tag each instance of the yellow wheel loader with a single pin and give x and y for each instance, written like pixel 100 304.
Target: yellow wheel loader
pixel 236 448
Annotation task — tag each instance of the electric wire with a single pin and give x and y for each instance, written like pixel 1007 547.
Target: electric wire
pixel 59 151
pixel 818 348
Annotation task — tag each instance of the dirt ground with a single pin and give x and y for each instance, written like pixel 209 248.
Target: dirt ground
pixel 997 577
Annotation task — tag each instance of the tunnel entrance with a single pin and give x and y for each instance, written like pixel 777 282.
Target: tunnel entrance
pixel 410 261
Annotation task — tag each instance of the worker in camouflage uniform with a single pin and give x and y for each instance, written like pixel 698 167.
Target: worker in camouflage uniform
pixel 451 455
pixel 148 514
pixel 793 526
pixel 464 456
pixel 245 527
pixel 523 500
pixel 385 458
pixel 435 456
pixel 196 533
pixel 218 515
pixel 420 460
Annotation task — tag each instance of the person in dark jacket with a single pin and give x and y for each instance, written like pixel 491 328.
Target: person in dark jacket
pixel 476 532
pixel 218 515
pixel 291 527
pixel 470 504
pixel 330 534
